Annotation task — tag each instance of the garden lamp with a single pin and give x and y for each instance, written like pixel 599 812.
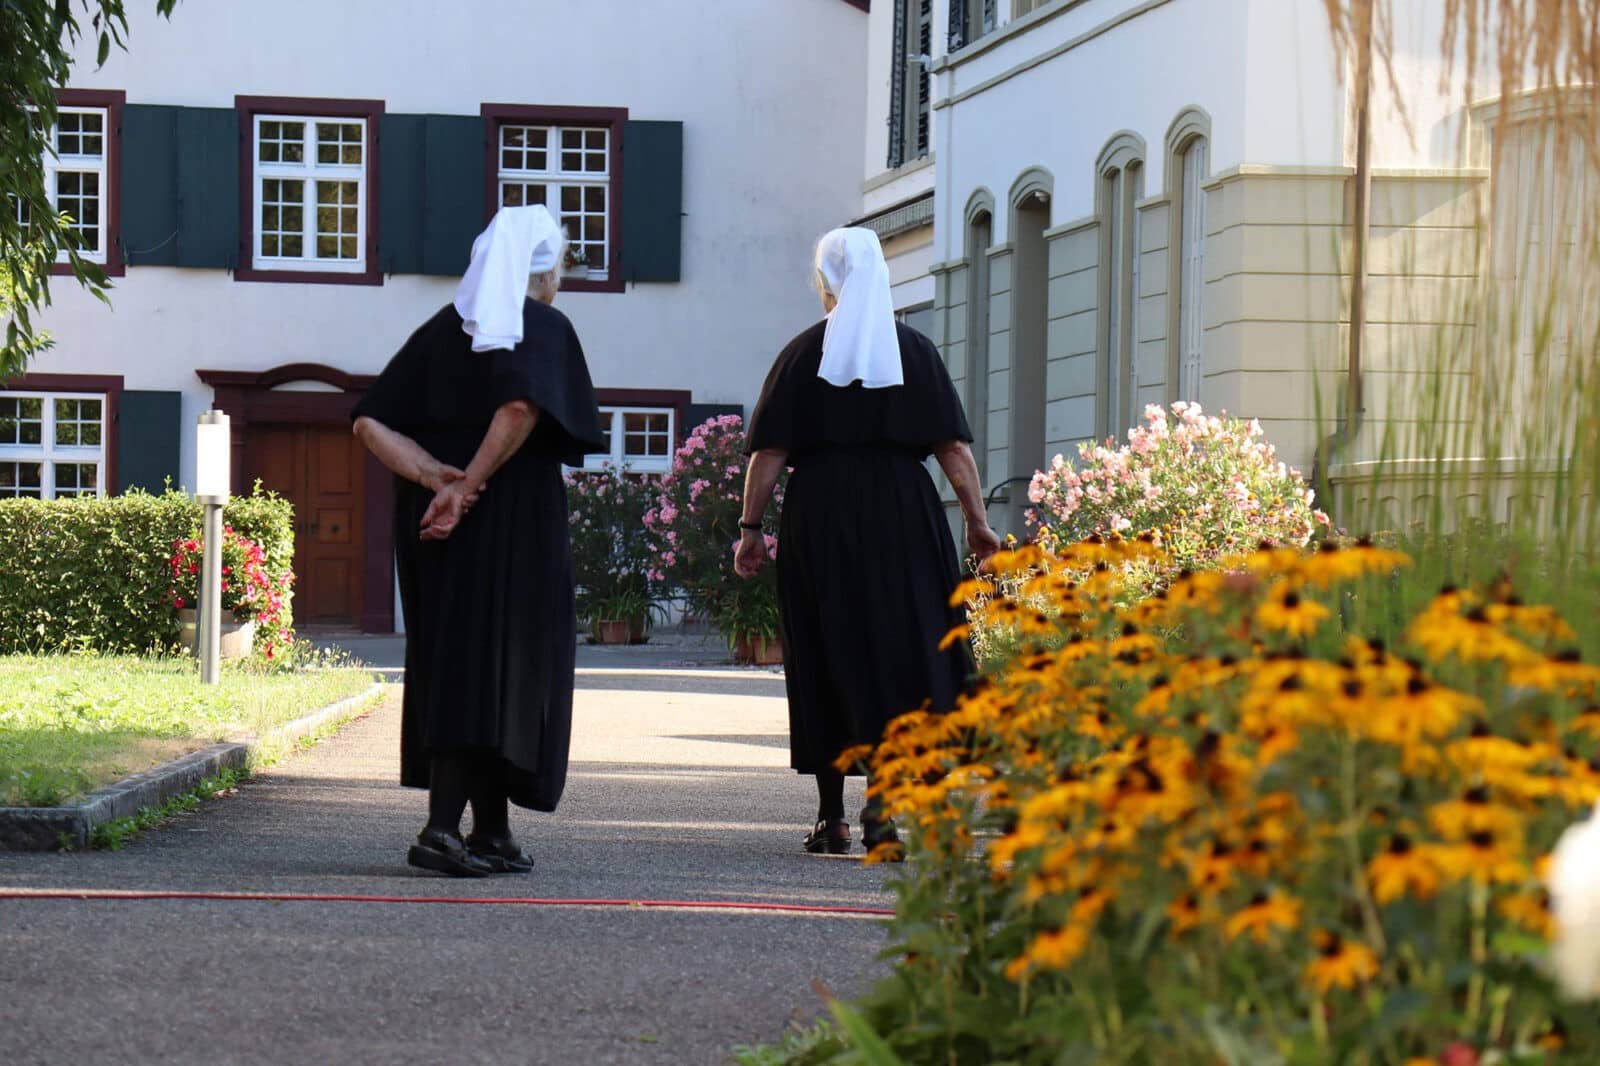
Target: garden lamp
pixel 213 460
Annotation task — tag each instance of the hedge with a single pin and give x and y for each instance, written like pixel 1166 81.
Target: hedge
pixel 91 574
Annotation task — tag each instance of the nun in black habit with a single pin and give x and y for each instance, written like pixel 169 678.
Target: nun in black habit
pixel 477 412
pixel 855 405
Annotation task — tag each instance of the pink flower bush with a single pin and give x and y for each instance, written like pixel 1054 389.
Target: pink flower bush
pixel 617 571
pixel 1203 487
pixel 695 525
pixel 249 592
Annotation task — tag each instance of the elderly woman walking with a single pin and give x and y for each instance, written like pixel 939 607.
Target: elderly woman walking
pixel 855 405
pixel 478 411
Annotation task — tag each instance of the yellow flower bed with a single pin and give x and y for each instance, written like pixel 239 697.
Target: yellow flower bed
pixel 1230 824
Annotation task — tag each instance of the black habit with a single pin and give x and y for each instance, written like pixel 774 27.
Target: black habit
pixel 866 564
pixel 490 625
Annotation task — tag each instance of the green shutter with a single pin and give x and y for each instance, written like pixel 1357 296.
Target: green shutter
pixel 148 429
pixel 402 144
pixel 453 210
pixel 208 187
pixel 652 201
pixel 149 191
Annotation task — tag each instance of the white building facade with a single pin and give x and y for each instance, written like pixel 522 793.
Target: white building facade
pixel 283 193
pixel 1142 201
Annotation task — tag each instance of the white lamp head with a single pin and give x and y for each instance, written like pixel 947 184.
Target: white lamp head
pixel 213 456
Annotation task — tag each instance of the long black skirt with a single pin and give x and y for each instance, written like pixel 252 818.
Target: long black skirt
pixel 866 566
pixel 490 629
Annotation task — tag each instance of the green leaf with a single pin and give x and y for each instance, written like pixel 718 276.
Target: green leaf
pixel 872 1047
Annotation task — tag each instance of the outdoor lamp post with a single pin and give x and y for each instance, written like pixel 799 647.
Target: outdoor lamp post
pixel 212 462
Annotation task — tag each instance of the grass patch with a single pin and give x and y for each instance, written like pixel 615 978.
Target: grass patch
pixel 112 835
pixel 72 723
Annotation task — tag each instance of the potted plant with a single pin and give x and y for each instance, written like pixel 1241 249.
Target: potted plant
pixel 695 525
pixel 613 565
pixel 251 599
pixel 624 617
pixel 749 619
pixel 575 261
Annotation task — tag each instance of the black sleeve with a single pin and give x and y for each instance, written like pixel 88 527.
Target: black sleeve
pixel 947 418
pixel 548 371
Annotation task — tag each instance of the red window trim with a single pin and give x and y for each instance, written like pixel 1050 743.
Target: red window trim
pixel 113 101
pixel 615 119
pixel 109 384
pixel 249 107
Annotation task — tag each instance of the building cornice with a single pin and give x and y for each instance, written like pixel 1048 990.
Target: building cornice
pixel 1022 25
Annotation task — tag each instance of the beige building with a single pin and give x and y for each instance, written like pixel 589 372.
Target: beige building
pixel 1142 201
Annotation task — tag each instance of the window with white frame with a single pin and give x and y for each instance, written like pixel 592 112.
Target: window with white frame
pixel 1195 164
pixel 1120 189
pixel 75 177
pixel 568 169
pixel 52 445
pixel 310 193
pixel 639 438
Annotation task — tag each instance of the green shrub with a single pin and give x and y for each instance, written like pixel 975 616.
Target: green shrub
pixel 92 574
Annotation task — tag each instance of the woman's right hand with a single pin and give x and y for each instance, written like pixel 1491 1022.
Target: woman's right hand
pixel 982 540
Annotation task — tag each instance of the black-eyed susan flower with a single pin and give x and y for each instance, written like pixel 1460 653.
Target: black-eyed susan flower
pixel 1340 963
pixel 1402 869
pixel 1055 949
pixel 1492 758
pixel 1264 914
pixel 1287 610
pixel 1531 911
pixel 1187 913
pixel 1483 857
pixel 1474 812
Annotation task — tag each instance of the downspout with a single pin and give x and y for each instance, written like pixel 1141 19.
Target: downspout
pixel 1354 412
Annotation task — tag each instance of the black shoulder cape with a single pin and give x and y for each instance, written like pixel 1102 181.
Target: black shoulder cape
pixel 798 412
pixel 437 382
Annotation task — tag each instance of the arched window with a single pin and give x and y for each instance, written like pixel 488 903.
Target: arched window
pixel 1121 186
pixel 1030 316
pixel 980 235
pixel 1188 167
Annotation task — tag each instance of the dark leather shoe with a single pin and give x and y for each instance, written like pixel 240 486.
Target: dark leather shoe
pixel 500 854
pixel 830 837
pixel 444 853
pixel 877 830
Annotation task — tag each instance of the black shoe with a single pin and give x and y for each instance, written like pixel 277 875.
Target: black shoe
pixel 501 854
pixel 877 830
pixel 443 852
pixel 830 837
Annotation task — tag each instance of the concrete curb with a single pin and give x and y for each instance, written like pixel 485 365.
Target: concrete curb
pixel 50 828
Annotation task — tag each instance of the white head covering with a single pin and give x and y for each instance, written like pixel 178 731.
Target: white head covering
pixel 519 241
pixel 860 343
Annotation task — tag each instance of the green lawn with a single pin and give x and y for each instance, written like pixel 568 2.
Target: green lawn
pixel 73 723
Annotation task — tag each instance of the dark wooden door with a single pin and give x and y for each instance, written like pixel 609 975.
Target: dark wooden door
pixel 321 469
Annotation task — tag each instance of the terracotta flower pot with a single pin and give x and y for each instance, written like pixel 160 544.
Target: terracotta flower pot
pixel 238 638
pixel 758 651
pixel 613 631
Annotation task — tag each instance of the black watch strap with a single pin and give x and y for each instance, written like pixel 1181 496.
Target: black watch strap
pixel 754 527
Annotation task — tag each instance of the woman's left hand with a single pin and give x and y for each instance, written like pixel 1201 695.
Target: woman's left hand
pixel 445 511
pixel 751 555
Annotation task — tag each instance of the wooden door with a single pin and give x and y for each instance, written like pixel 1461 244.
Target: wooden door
pixel 321 469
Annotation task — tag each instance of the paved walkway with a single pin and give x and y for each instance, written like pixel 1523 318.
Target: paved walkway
pixel 679 791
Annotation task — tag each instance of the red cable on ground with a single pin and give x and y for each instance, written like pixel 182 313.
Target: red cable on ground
pixel 512 901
